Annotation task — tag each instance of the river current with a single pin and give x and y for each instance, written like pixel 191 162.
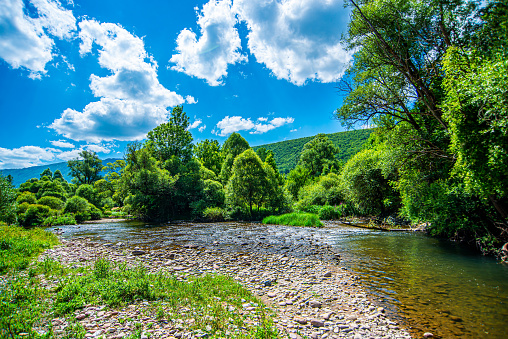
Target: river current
pixel 427 284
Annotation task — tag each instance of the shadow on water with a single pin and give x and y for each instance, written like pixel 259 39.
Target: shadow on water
pixel 431 285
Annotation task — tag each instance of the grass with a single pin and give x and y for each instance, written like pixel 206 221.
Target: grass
pixel 209 304
pixel 19 246
pixel 294 219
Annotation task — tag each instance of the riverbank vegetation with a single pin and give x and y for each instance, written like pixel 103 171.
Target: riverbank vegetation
pixel 432 80
pixel 294 219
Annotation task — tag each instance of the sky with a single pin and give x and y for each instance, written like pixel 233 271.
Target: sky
pixel 95 75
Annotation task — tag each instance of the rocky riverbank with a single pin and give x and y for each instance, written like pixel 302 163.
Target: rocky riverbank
pixel 310 298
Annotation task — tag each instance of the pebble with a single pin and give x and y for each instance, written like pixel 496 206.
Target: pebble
pixel 306 305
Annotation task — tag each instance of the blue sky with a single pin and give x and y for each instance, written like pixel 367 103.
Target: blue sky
pixel 96 75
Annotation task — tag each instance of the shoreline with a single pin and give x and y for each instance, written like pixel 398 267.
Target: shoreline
pixel 310 298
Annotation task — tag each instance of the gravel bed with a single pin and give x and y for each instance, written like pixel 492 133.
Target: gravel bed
pixel 310 298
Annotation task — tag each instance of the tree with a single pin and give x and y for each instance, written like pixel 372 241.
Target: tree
pixel 172 138
pixel 296 179
pixel 233 146
pixel 90 194
pixel 248 181
pixel 318 153
pixel 210 155
pixel 87 169
pixel 7 201
pixel 58 175
pixel 47 173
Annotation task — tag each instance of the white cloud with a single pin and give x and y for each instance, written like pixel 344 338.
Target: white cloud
pixel 233 124
pixel 62 144
pixel 25 156
pixel 202 128
pixel 293 130
pixel 25 41
pixel 218 45
pixel 262 119
pixel 190 100
pixel 97 149
pixel 132 100
pixel 195 124
pixel 298 40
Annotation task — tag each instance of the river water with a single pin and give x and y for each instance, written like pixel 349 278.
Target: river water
pixel 427 284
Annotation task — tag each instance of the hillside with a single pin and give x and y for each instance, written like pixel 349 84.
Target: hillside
pixel 23 174
pixel 287 153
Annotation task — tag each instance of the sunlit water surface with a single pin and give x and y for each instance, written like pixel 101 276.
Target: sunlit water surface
pixel 429 285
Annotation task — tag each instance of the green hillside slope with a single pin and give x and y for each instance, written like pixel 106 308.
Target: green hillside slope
pixel 23 174
pixel 287 153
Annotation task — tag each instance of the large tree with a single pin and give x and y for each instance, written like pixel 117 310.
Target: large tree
pixel 172 138
pixel 210 155
pixel 318 153
pixel 86 169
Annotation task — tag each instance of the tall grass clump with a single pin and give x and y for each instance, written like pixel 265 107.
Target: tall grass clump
pixel 18 246
pixel 294 219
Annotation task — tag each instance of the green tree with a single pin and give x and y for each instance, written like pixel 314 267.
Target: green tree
pixel 318 153
pixel 58 175
pixel 233 146
pixel 86 169
pixel 47 173
pixel 210 155
pixel 172 138
pixel 89 193
pixel 296 179
pixel 248 181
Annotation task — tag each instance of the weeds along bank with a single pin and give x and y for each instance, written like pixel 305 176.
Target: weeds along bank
pixel 83 288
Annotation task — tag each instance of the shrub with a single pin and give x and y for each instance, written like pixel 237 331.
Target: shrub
pixel 214 214
pixel 82 216
pixel 27 197
pixel 95 213
pixel 76 205
pixel 52 202
pixel 35 215
pixel 55 220
pixel 328 213
pixel 294 219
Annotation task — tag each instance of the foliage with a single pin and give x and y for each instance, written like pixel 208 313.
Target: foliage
pixel 210 155
pixel 56 220
pixel 7 201
pixel 248 181
pixel 18 246
pixel 318 154
pixel 234 145
pixel 296 179
pixel 86 169
pixel 324 191
pixel 215 214
pixel 294 219
pixel 52 202
pixel 35 215
pixel 89 193
pixel 76 204
pixel 95 213
pixel 328 212
pixel 171 139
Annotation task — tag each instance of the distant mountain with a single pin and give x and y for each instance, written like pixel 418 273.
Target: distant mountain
pixel 23 174
pixel 287 153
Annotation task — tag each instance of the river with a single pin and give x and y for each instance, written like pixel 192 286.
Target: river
pixel 427 284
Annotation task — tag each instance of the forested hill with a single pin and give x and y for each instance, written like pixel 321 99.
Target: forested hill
pixel 23 174
pixel 287 153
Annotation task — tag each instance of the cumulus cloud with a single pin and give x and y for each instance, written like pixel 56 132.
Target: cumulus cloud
pixel 190 100
pixel 202 128
pixel 132 100
pixel 218 45
pixel 62 144
pixel 233 124
pixel 28 156
pixel 195 124
pixel 26 34
pixel 298 40
pixel 25 156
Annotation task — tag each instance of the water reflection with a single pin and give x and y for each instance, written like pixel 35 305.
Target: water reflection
pixel 430 284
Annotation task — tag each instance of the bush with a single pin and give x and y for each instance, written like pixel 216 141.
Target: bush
pixel 214 214
pixel 35 215
pixel 55 220
pixel 95 213
pixel 328 213
pixel 82 216
pixel 76 205
pixel 52 202
pixel 294 219
pixel 27 197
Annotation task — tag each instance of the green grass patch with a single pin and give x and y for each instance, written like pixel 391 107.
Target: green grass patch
pixel 208 304
pixel 294 219
pixel 18 246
